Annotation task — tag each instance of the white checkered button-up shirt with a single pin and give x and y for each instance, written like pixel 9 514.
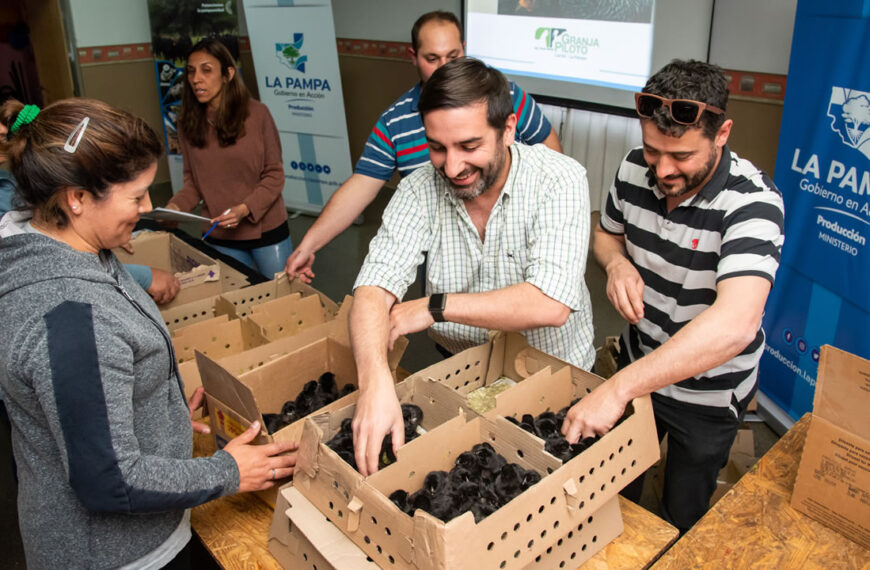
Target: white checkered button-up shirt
pixel 537 232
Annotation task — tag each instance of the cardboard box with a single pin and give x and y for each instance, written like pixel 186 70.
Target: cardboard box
pixel 216 338
pixel 236 401
pixel 287 316
pixel 199 274
pixel 512 537
pixel 248 360
pixel 506 354
pixel 520 531
pixel 245 299
pixel 833 479
pixel 301 537
pixel 240 303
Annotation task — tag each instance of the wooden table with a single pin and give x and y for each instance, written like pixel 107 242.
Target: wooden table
pixel 235 531
pixel 753 525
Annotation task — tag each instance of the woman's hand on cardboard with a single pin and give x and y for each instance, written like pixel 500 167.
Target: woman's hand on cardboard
pixel 194 403
pixel 261 466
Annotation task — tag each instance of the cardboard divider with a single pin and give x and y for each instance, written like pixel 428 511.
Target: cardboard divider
pixel 300 537
pixel 216 338
pixel 180 316
pixel 286 316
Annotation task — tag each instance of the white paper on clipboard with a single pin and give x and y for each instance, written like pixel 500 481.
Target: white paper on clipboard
pixel 174 216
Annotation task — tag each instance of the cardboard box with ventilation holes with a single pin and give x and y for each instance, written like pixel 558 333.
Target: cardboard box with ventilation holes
pixel 301 537
pixel 526 531
pixel 264 384
pixel 200 275
pixel 245 302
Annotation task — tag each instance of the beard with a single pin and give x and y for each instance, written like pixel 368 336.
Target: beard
pixel 488 176
pixel 691 182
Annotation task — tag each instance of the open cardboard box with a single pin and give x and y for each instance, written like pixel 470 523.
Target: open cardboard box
pixel 245 299
pixel 514 536
pixel 245 361
pixel 245 337
pixel 505 355
pixel 301 537
pixel 200 276
pixel 833 479
pixel 236 401
pixel 240 303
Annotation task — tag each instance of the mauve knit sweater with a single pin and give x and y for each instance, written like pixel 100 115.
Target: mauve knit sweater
pixel 249 171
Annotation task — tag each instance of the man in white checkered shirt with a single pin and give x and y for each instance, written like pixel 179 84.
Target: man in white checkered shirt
pixel 507 231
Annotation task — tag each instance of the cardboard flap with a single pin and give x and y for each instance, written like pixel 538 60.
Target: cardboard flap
pixel 324 537
pixel 225 387
pixel 842 390
pixel 200 328
pixel 309 445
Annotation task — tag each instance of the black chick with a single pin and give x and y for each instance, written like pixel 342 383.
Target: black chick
pixel 326 385
pixel 508 482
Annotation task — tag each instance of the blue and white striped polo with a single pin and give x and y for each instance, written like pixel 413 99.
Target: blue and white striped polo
pixel 732 227
pixel 398 139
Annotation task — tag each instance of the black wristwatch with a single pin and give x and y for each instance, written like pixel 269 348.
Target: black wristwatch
pixel 437 302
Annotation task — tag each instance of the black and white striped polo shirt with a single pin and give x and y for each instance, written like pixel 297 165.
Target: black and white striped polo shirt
pixel 732 227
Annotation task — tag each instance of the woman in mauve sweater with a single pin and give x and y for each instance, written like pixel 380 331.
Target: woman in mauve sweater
pixel 232 162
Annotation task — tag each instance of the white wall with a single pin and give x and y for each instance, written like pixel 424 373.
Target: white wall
pixel 109 22
pixel 753 35
pixel 388 20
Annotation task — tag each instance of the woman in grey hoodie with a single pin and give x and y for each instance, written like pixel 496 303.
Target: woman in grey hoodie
pixel 101 431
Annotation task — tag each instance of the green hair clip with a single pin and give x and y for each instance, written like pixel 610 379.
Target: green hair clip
pixel 25 116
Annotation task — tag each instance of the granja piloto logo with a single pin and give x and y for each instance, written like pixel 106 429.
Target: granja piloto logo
pixel 558 40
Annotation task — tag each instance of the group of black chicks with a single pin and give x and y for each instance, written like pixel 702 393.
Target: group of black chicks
pixel 342 442
pixel 548 426
pixel 314 395
pixel 481 481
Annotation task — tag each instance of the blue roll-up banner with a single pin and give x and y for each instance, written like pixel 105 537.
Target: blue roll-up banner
pixel 822 291
pixel 296 62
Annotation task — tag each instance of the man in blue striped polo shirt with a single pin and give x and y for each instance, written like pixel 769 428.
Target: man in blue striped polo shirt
pixel 690 240
pixel 398 142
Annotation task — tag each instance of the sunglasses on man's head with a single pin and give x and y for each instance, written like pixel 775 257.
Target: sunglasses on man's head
pixel 683 111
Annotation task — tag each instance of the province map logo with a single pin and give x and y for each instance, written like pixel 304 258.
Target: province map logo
pixel 289 54
pixel 850 111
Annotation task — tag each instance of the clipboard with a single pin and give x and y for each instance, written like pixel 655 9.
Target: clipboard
pixel 174 216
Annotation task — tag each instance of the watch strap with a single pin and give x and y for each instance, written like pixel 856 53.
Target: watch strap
pixel 437 302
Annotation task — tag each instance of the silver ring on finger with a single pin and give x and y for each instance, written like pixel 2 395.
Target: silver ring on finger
pixel 273 474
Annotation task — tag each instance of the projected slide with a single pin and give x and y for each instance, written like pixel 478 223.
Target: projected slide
pixel 607 43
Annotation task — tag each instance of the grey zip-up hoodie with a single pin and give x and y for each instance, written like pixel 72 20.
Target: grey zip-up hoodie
pixel 100 427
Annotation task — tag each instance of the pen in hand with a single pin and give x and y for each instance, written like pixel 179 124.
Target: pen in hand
pixel 214 225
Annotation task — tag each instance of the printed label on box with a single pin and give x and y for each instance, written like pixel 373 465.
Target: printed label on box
pixel 228 425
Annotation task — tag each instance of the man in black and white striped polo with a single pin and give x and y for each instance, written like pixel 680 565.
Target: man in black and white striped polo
pixel 690 240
